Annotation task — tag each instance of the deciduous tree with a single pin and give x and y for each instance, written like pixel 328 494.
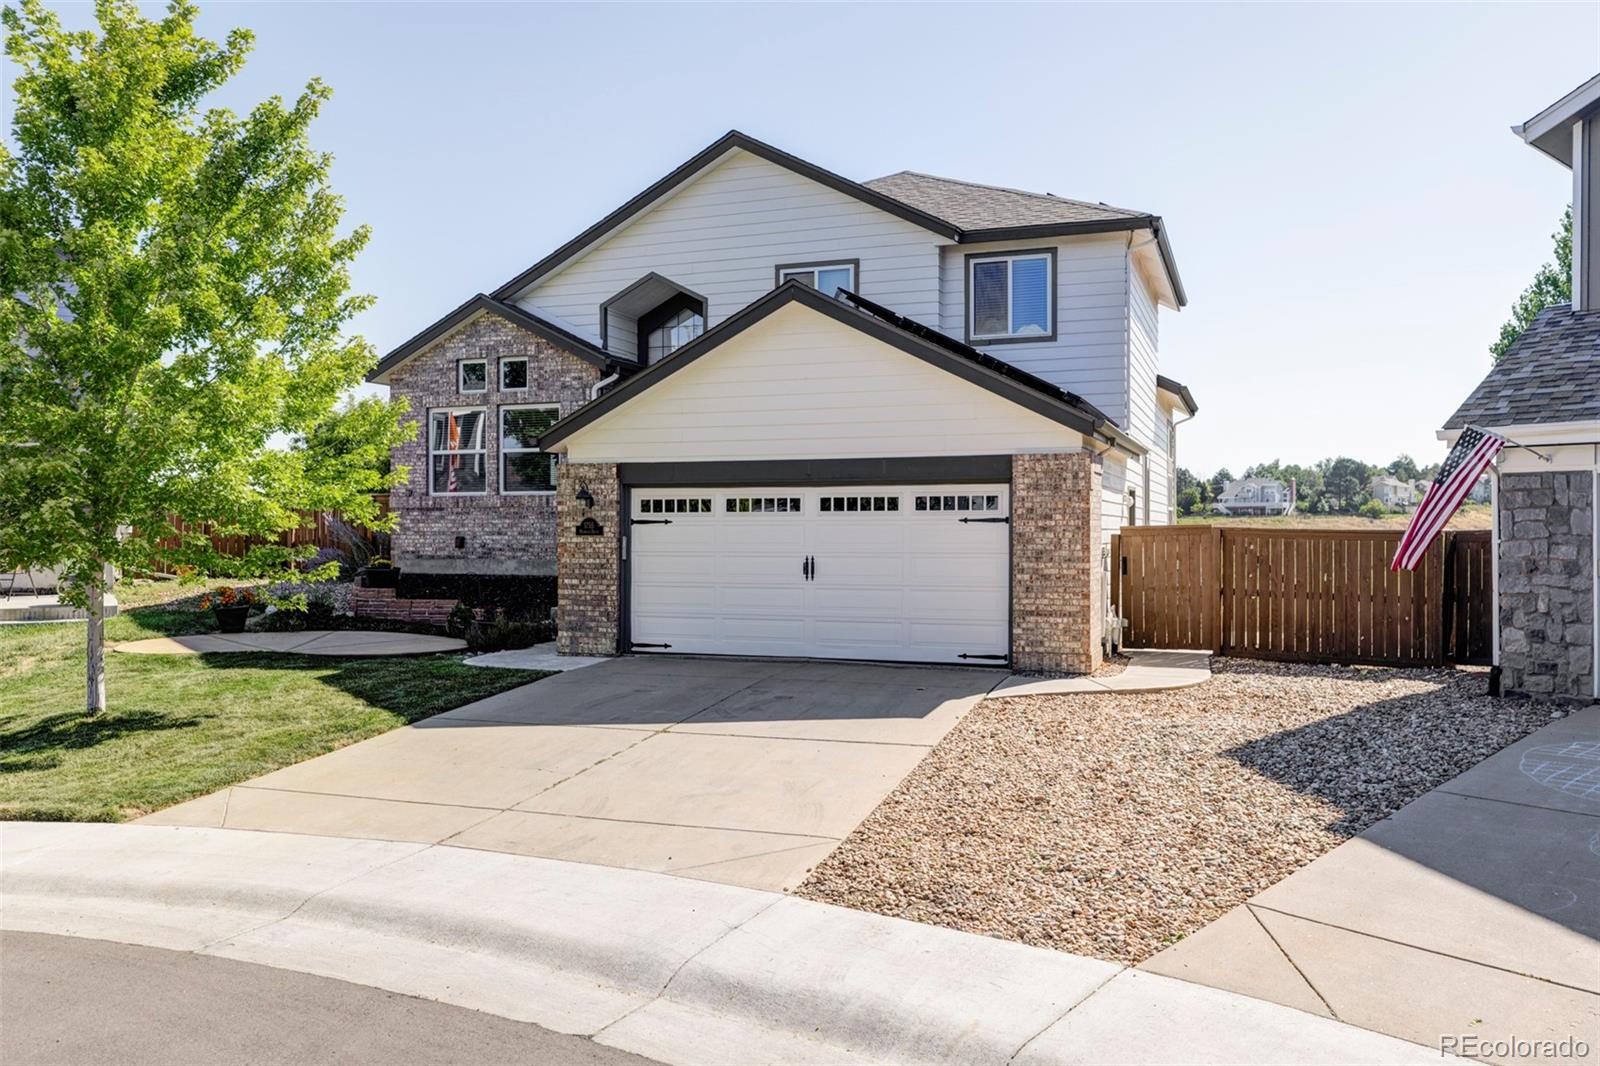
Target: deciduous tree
pixel 174 292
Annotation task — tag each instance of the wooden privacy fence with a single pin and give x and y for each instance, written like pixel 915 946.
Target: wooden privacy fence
pixel 1303 595
pixel 319 528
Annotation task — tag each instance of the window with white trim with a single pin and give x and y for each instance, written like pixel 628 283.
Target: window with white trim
pixel 513 374
pixel 472 375
pixel 524 469
pixel 1008 297
pixel 826 278
pixel 456 454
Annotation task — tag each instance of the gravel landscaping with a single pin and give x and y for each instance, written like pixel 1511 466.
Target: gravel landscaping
pixel 1113 825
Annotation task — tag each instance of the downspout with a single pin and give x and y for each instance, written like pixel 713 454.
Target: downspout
pixel 594 390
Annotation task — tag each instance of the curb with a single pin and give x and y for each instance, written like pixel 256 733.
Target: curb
pixel 679 970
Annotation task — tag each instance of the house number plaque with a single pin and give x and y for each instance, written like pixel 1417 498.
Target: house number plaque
pixel 589 528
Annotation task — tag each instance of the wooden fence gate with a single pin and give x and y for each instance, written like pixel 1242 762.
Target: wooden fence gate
pixel 1303 595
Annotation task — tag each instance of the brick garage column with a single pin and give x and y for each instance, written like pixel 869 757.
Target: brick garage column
pixel 1056 611
pixel 588 579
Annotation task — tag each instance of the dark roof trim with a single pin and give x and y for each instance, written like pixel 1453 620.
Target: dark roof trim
pixel 1152 223
pixel 717 149
pixel 1180 390
pixel 539 327
pixel 984 371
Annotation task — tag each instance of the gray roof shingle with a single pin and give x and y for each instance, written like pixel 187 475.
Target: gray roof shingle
pixel 1550 374
pixel 977 207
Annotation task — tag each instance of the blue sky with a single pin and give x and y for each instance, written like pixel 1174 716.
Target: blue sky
pixel 1351 216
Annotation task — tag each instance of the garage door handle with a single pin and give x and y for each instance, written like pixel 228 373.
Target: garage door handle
pixel 813 568
pixel 805 567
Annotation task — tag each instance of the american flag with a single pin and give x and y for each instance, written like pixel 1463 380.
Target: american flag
pixel 1475 449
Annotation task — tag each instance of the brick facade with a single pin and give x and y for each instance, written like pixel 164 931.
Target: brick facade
pixel 504 534
pixel 589 585
pixel 382 603
pixel 1057 616
pixel 1546 583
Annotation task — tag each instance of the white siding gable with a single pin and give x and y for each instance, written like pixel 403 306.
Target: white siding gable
pixel 799 385
pixel 722 234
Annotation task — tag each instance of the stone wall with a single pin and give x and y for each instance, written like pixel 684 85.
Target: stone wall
pixel 1546 584
pixel 1056 616
pixel 503 534
pixel 588 586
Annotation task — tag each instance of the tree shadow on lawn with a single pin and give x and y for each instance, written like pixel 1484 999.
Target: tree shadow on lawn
pixel 410 687
pixel 38 745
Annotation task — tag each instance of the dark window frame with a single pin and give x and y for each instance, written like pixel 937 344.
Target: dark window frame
pixel 853 264
pixel 1051 303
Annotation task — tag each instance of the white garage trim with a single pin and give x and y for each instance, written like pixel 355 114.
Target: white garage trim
pixel 908 572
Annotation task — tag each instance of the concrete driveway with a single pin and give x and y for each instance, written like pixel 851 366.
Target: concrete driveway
pixel 1470 917
pixel 742 771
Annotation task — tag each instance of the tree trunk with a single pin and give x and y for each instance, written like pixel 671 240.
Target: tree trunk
pixel 95 673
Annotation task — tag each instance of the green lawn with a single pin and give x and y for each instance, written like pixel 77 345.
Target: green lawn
pixel 182 726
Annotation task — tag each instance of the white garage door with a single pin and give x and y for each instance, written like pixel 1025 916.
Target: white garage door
pixel 917 573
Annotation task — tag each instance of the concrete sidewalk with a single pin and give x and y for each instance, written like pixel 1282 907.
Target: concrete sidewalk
pixel 675 969
pixel 1148 670
pixel 1473 911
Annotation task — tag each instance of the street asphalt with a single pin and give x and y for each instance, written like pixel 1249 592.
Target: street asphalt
pixel 81 1002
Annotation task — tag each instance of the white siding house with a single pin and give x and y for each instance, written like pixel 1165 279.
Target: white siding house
pixel 804 375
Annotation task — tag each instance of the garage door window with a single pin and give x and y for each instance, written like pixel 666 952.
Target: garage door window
pixel 676 505
pixel 958 503
pixel 763 505
pixel 838 504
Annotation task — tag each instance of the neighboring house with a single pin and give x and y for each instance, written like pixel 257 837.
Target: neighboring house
pixel 1254 496
pixel 764 409
pixel 1544 395
pixel 1480 492
pixel 1392 492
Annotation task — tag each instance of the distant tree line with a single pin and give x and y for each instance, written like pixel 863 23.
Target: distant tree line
pixel 1329 486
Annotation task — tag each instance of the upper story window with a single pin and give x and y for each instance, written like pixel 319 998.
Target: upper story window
pixel 456 453
pixel 664 335
pixel 827 278
pixel 472 375
pixel 1009 297
pixel 513 375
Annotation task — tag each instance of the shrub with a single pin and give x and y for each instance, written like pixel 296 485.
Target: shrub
pixel 460 620
pixel 502 632
pixel 1373 509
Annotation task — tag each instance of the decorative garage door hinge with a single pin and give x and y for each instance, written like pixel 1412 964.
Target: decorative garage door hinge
pixel 636 644
pixel 650 521
pixel 969 655
pixel 1006 519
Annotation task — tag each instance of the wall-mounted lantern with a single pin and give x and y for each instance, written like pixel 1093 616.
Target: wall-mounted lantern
pixel 585 497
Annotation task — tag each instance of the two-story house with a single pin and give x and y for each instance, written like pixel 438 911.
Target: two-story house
pixel 1544 396
pixel 764 409
pixel 1254 496
pixel 1392 492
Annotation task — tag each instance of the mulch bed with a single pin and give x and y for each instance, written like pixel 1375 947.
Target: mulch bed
pixel 1113 825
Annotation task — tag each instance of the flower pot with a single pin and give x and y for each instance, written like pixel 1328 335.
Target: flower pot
pixel 232 619
pixel 380 577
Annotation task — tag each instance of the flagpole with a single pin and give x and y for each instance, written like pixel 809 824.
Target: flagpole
pixel 1513 444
